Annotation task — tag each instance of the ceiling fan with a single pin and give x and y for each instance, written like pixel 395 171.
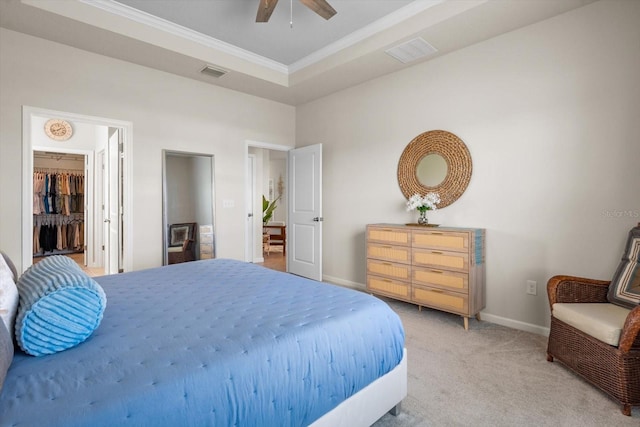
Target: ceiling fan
pixel 321 7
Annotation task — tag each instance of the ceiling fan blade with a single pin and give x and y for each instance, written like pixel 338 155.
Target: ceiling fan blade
pixel 321 7
pixel 265 9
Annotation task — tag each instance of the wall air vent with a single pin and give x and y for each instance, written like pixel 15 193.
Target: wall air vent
pixel 411 50
pixel 212 71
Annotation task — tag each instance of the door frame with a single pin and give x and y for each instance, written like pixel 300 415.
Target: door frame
pixel 250 224
pixel 125 127
pixel 249 238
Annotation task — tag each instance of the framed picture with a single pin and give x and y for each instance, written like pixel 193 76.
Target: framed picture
pixel 178 233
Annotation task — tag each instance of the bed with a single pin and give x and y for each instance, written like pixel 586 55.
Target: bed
pixel 218 342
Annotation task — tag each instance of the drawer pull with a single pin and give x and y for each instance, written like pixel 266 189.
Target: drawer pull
pixel 387 281
pixel 387 247
pixel 387 230
pixel 437 291
pixel 436 252
pixel 437 271
pixel 388 264
pixel 437 234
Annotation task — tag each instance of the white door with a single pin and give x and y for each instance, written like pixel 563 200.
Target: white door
pixel 86 218
pixel 304 237
pixel 97 259
pixel 111 205
pixel 250 205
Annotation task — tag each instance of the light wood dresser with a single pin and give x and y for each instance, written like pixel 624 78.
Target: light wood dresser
pixel 206 242
pixel 436 267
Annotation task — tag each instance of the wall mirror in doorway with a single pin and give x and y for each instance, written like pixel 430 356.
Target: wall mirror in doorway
pixel 188 207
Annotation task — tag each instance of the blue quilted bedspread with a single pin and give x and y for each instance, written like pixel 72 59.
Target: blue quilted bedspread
pixel 216 342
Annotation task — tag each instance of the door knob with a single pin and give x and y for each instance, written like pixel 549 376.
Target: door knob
pixel 107 220
pixel 318 219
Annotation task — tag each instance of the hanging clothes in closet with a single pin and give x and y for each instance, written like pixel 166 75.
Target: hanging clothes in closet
pixel 58 207
pixel 58 192
pixel 53 234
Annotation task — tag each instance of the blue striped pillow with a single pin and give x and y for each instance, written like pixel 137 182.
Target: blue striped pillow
pixel 60 306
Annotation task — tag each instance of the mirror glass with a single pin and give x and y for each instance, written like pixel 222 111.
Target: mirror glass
pixel 188 211
pixel 431 170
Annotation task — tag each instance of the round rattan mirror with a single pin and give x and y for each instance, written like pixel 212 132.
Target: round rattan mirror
pixel 452 150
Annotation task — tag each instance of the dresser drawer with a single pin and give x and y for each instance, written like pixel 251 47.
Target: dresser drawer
pixel 440 299
pixel 206 229
pixel 389 269
pixel 400 254
pixel 206 238
pixel 441 259
pixel 390 287
pixel 449 241
pixel 446 279
pixel 390 236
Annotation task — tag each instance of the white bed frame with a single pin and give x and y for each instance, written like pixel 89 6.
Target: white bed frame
pixel 369 404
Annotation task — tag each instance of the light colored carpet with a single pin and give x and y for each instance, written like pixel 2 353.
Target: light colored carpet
pixel 491 376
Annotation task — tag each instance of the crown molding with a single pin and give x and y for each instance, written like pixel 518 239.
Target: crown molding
pixel 161 24
pixel 370 30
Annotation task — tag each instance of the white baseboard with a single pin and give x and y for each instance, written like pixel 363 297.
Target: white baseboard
pixel 515 324
pixel 346 283
pixel 499 320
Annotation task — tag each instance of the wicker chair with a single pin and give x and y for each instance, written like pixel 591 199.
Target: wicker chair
pixel 615 370
pixel 181 243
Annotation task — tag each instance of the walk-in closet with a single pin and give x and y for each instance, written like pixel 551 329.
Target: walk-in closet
pixel 59 205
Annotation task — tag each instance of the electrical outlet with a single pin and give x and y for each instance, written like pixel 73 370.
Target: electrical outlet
pixel 532 287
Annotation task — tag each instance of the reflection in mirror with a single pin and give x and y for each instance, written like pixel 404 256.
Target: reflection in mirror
pixel 431 170
pixel 188 207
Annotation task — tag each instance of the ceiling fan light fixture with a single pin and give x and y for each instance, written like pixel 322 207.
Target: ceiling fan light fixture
pixel 212 71
pixel 411 50
pixel 265 9
pixel 321 7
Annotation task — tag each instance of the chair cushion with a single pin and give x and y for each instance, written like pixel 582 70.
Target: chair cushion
pixel 602 321
pixel 625 285
pixel 60 306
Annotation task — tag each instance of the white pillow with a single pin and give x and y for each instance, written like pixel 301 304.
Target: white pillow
pixel 8 296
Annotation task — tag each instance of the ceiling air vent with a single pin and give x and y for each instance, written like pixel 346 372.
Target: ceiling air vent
pixel 212 71
pixel 411 50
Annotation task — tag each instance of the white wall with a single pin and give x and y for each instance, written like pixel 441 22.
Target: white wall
pixel 167 112
pixel 550 114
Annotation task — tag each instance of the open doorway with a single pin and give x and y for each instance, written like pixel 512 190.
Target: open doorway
pixel 302 230
pixel 59 207
pixel 267 205
pixel 274 212
pixel 75 210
